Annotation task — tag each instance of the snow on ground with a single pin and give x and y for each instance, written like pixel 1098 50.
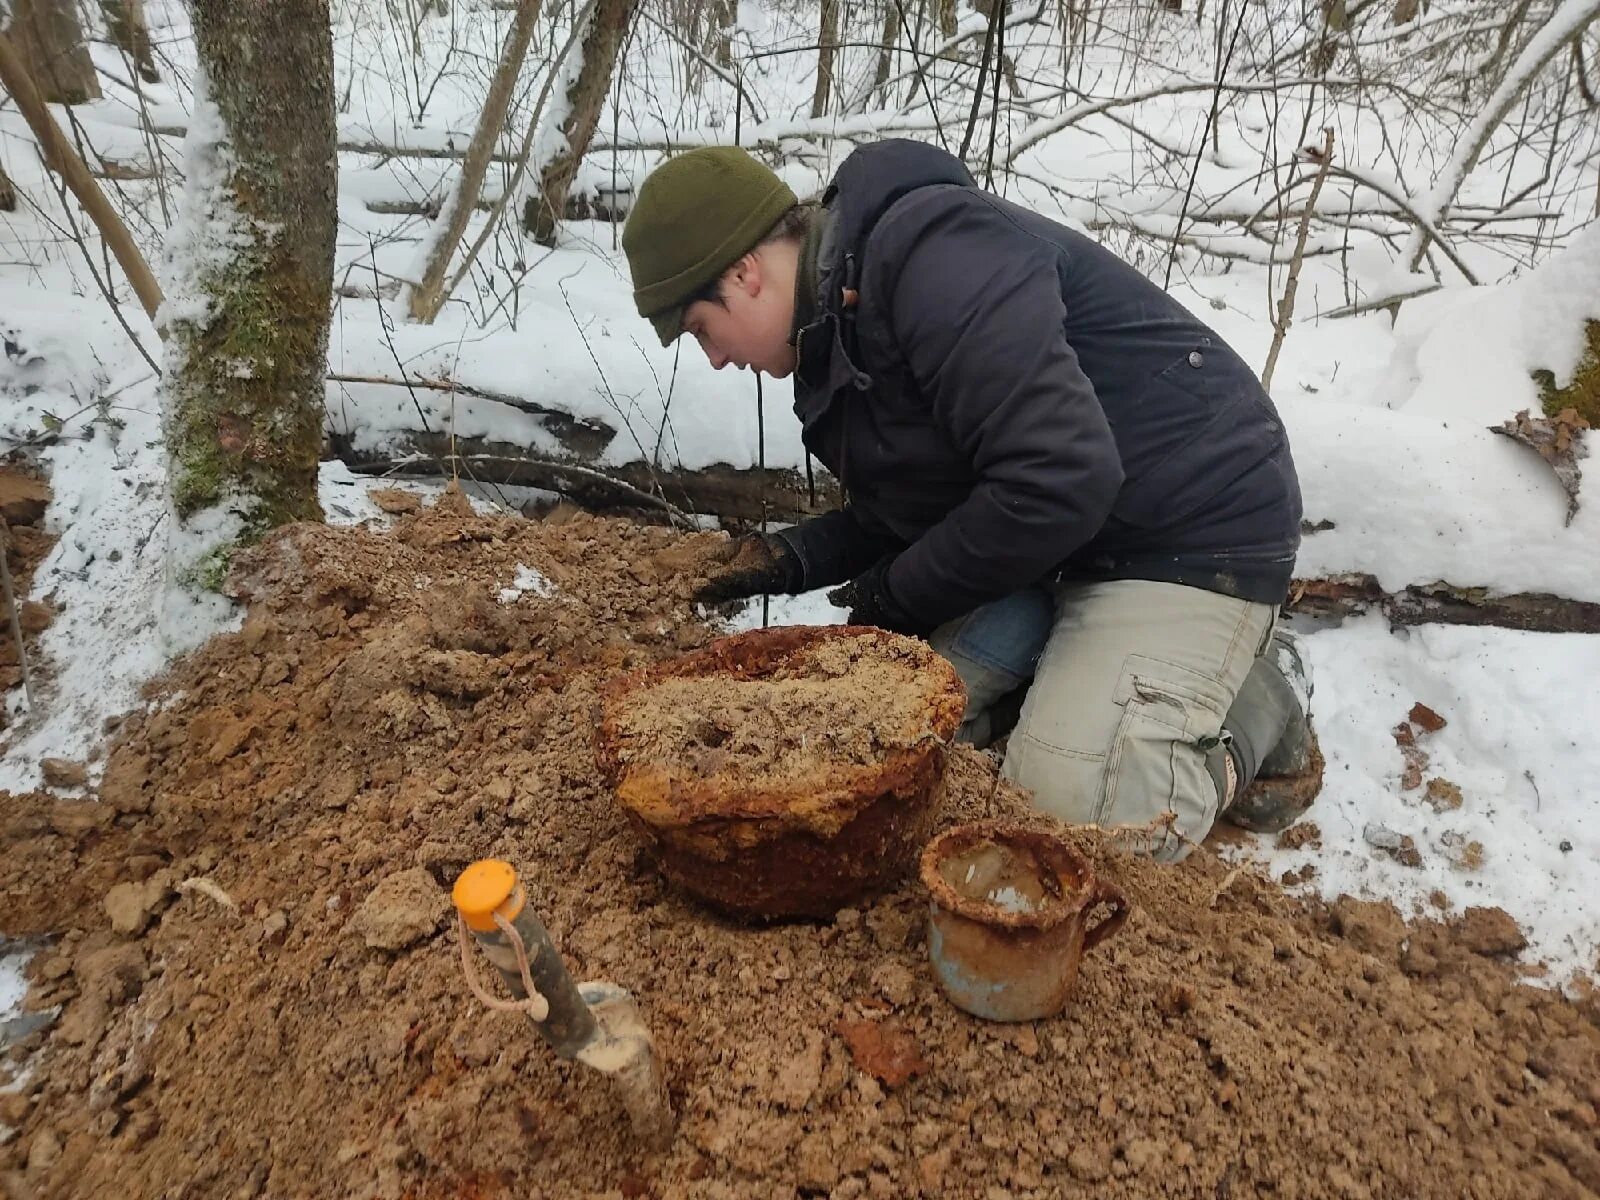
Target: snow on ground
pixel 1521 710
pixel 12 986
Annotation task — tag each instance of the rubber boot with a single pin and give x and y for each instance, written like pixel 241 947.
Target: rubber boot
pixel 1268 735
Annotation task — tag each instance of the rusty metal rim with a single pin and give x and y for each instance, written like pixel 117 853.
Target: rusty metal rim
pixel 1050 849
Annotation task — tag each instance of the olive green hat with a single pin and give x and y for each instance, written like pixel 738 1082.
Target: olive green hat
pixel 695 216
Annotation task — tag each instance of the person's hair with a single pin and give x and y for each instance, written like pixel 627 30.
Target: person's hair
pixel 793 226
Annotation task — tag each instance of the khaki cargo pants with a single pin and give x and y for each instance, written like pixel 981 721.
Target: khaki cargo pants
pixel 1130 683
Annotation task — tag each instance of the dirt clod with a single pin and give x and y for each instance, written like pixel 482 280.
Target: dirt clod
pixel 1442 795
pixel 63 773
pixel 1425 718
pixel 1489 931
pixel 402 910
pixel 886 1050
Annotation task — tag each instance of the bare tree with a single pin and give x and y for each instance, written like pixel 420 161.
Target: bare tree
pixel 427 296
pixel 62 157
pixel 945 11
pixel 586 97
pixel 49 39
pixel 126 23
pixel 891 35
pixel 827 43
pixel 251 272
pixel 726 15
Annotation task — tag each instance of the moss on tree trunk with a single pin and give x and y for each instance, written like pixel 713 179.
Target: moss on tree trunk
pixel 247 346
pixel 1582 391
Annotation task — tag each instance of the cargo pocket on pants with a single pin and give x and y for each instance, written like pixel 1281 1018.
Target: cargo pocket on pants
pixel 1156 764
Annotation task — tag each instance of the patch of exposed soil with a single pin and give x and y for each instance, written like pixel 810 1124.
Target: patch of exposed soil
pixel 260 994
pixel 23 499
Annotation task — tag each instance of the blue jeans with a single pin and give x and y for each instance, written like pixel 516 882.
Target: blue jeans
pixel 995 649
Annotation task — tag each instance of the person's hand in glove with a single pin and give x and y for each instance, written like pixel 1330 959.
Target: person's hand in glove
pixel 752 565
pixel 870 602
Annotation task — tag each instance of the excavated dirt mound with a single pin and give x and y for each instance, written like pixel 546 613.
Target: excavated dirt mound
pixel 260 994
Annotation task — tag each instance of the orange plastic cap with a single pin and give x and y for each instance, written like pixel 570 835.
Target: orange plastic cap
pixel 486 887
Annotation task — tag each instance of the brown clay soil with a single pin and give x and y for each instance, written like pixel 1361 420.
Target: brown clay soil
pixel 260 994
pixel 23 499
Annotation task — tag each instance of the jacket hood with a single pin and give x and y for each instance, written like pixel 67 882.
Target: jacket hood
pixel 867 184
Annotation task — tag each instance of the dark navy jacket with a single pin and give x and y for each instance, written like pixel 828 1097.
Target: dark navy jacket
pixel 1006 402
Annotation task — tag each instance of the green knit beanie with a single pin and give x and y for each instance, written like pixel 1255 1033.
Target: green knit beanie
pixel 695 216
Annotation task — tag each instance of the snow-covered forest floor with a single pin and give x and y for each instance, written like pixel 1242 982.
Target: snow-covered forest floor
pixel 1389 418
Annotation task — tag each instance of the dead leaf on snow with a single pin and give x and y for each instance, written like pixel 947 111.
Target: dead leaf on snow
pixel 1558 440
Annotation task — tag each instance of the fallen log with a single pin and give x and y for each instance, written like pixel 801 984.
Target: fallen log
pixel 1442 603
pixel 747 495
pixel 743 495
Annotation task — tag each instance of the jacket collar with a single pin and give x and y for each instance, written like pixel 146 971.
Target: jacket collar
pixel 868 184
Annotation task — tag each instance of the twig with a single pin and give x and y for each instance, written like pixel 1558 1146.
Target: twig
pixel 1285 314
pixel 1200 150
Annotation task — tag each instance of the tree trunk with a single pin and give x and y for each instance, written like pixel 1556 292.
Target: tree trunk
pixel 49 38
pixel 8 193
pixel 585 100
pixel 827 39
pixel 891 35
pixel 129 30
pixel 428 295
pixel 252 283
pixel 944 12
pixel 726 14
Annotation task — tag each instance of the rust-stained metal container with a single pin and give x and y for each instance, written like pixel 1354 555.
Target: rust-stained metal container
pixel 1008 921
pixel 789 846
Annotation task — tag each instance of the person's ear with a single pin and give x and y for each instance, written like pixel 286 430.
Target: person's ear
pixel 746 275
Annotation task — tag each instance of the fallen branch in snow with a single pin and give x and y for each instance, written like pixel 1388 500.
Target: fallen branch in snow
pixel 722 490
pixel 577 435
pixel 1442 603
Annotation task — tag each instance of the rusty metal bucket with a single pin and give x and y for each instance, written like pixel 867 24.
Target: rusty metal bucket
pixel 1008 921
pixel 788 847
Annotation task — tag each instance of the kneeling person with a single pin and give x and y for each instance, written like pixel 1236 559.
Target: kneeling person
pixel 1071 486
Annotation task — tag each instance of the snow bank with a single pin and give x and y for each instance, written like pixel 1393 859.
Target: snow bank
pixel 1416 501
pixel 1466 355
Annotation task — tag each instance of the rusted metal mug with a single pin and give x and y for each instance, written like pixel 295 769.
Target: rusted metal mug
pixel 1009 918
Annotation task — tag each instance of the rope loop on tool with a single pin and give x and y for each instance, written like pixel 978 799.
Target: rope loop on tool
pixel 534 1005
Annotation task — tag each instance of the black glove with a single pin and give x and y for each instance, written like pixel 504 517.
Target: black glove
pixel 752 565
pixel 868 599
